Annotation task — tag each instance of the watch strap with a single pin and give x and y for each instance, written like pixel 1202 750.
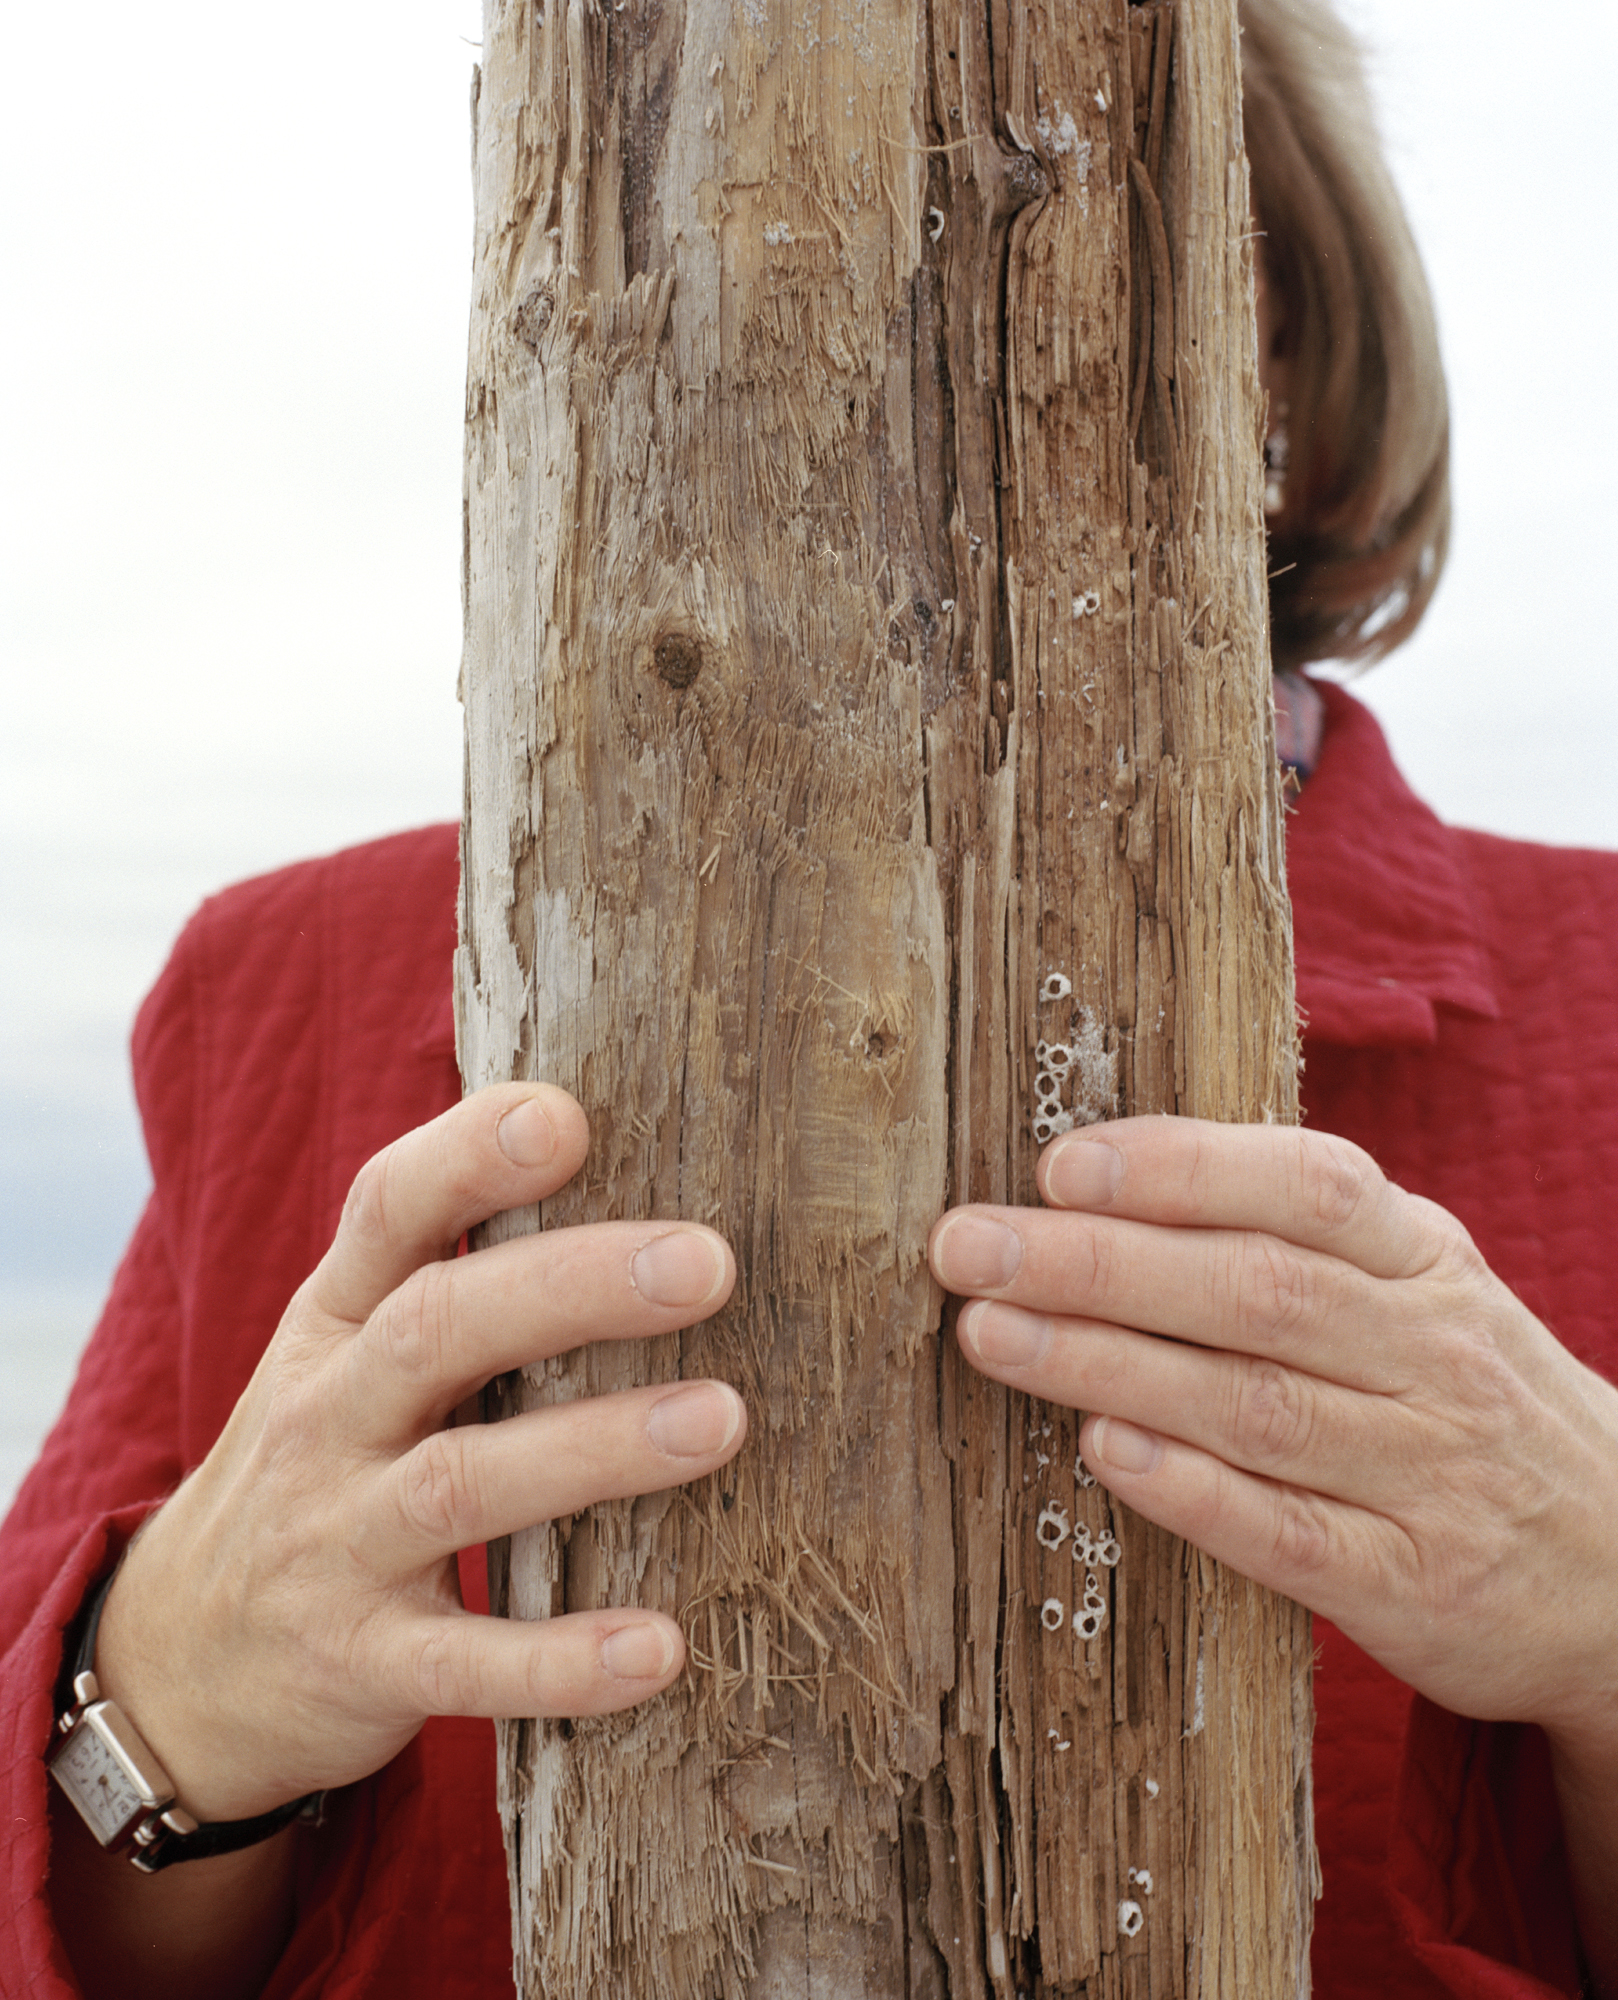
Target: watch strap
pixel 223 1836
pixel 158 1845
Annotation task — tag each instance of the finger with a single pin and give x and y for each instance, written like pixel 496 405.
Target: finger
pixel 468 1485
pixel 1322 1552
pixel 1309 1188
pixel 587 1663
pixel 1280 1422
pixel 451 1326
pixel 500 1148
pixel 1222 1288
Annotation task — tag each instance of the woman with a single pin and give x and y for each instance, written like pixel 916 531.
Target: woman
pixel 1305 1370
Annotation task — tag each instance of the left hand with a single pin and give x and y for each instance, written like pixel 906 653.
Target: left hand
pixel 1314 1376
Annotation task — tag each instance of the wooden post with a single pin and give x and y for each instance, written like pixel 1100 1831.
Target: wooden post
pixel 866 637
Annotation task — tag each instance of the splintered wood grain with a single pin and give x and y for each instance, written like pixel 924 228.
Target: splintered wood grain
pixel 865 620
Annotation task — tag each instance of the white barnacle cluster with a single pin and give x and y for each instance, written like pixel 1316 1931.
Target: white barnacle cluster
pixel 1075 1074
pixel 777 233
pixel 1092 1612
pixel 1095 1551
pixel 1086 603
pixel 1131 1916
pixel 1053 1063
pixel 1092 1552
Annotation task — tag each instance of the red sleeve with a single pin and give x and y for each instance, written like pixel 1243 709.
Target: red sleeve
pixel 1476 1860
pixel 114 1453
pixel 111 1457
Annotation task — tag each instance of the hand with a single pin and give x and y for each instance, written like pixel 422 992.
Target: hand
pixel 1314 1376
pixel 292 1615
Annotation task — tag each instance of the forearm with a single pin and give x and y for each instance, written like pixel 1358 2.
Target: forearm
pixel 1587 1793
pixel 203 1930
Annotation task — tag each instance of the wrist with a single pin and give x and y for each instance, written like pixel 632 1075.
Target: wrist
pixel 151 1659
pixel 1585 1757
pixel 107 1769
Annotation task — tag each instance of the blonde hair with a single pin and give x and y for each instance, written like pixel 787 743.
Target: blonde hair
pixel 1359 539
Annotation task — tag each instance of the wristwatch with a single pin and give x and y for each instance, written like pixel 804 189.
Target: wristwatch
pixel 120 1790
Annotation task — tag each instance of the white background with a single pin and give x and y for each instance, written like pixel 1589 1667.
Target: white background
pixel 236 247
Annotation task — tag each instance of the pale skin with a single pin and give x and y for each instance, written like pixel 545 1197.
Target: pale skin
pixel 1287 1360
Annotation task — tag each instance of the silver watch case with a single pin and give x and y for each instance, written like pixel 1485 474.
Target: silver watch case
pixel 106 1767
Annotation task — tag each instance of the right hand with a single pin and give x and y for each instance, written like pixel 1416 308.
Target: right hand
pixel 291 1616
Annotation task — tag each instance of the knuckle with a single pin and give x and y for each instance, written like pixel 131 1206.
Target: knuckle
pixel 1489 1412
pixel 1438 1245
pixel 1335 1178
pixel 1451 1249
pixel 415 1326
pixel 1460 1573
pixel 438 1491
pixel 465 1157
pixel 367 1206
pixel 443 1674
pixel 1274 1416
pixel 1303 1539
pixel 1274 1287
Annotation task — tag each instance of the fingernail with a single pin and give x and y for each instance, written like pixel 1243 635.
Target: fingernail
pixel 695 1422
pixel 1006 1336
pixel 526 1136
pixel 681 1269
pixel 1084 1173
pixel 975 1253
pixel 1125 1448
pixel 638 1653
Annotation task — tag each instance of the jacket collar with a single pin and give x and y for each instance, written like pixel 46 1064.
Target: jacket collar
pixel 1385 932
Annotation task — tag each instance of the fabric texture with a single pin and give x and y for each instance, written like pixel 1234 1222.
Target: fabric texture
pixel 1461 1025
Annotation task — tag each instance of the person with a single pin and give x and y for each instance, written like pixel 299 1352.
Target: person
pixel 1325 1355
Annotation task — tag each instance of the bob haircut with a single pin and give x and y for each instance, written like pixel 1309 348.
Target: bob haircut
pixel 1360 535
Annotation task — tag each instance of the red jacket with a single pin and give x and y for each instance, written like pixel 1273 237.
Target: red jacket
pixel 1462 1025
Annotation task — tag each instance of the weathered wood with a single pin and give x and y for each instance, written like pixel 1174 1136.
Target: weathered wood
pixel 866 619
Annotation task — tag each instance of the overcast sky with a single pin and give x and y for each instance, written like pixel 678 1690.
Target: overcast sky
pixel 236 247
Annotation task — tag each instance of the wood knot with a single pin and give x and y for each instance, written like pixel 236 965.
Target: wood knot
pixel 1026 180
pixel 533 315
pixel 677 659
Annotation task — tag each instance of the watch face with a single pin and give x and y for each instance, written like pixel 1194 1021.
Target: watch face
pixel 106 1789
